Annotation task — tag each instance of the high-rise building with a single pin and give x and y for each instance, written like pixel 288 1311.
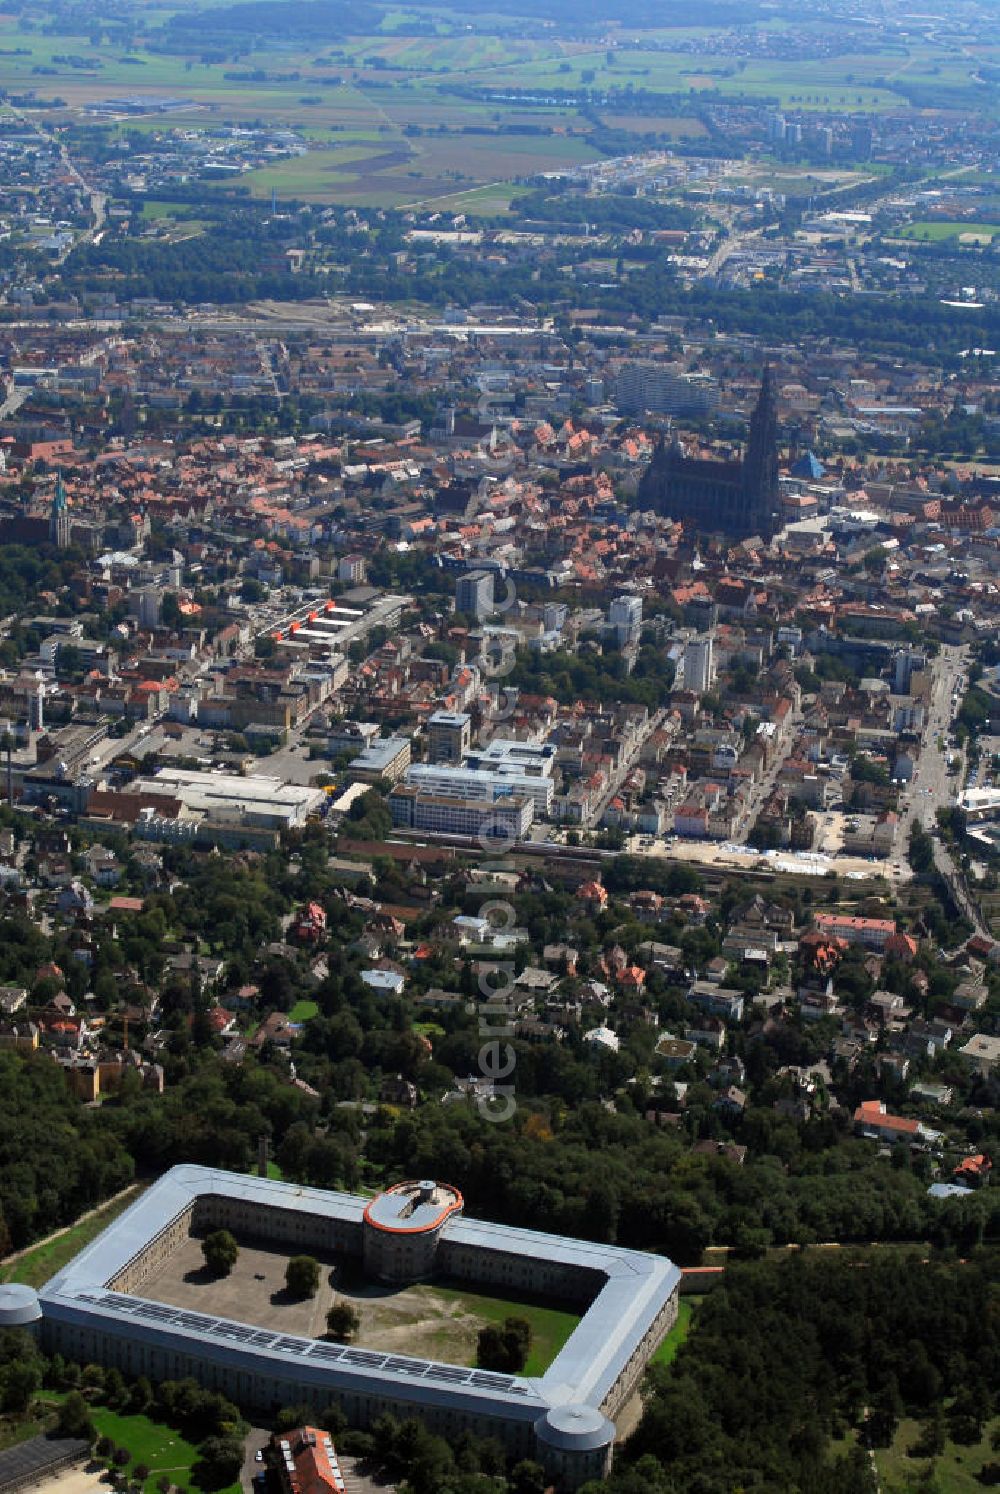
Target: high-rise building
pixel 862 142
pixel 699 664
pixel 554 615
pixel 665 390
pixel 907 663
pixel 625 619
pixel 735 498
pixel 36 707
pixel 449 736
pixel 144 604
pixel 474 594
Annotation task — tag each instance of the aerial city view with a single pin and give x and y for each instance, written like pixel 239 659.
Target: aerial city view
pixel 499 747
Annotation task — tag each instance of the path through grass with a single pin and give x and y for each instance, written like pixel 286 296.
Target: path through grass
pixel 41 1261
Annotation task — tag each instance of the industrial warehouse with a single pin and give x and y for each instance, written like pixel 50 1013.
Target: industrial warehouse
pixel 95 1310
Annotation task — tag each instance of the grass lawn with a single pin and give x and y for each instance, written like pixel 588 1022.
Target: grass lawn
pixel 935 232
pixel 163 1450
pixel 50 1256
pixel 550 1326
pixel 15 1429
pixel 667 1351
pixel 303 1011
pixel 956 1471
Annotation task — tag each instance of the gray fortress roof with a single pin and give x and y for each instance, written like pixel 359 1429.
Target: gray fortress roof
pixel 636 1287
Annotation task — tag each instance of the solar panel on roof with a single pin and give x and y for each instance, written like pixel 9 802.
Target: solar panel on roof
pixel 406 1366
pixel 234 1330
pixel 448 1372
pixel 292 1345
pixel 363 1356
pixel 196 1320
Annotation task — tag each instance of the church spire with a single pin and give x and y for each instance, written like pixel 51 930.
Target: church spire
pixel 760 467
pixel 59 517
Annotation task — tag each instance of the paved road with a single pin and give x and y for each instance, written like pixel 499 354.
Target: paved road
pixel 933 788
pixel 15 399
pixel 628 763
pixel 257 1438
pixel 761 791
pixel 98 200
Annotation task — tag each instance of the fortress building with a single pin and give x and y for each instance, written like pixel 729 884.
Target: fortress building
pixel 102 1307
pixel 737 498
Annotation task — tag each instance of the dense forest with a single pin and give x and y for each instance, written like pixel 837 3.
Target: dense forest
pixel 793 1370
pixel 786 1356
pixel 583 1172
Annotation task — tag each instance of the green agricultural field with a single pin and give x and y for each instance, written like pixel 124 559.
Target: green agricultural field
pixel 489 201
pixel 41 1262
pixel 392 128
pixel 428 168
pixel 845 84
pixel 935 232
pixel 676 127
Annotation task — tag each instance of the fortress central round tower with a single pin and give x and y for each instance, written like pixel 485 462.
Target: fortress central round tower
pixel 402 1228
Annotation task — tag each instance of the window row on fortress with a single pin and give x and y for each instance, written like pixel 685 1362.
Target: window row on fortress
pixel 268 1392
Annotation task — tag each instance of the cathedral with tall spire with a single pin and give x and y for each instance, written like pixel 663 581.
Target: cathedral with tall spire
pixel 60 523
pixel 738 498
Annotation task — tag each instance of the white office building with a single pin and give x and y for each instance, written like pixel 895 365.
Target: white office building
pixel 625 619
pixel 699 664
pixel 508 817
pixel 480 778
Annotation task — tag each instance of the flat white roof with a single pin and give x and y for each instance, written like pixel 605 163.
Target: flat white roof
pixel 637 1286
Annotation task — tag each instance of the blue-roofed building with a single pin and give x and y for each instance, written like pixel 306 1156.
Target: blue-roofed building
pixel 808 466
pixel 97 1309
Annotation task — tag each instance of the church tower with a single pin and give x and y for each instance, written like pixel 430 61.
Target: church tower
pixel 59 519
pixel 760 465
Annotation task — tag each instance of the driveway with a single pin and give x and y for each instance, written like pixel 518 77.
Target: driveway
pixel 256 1437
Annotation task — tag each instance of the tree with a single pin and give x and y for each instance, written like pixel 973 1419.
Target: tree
pixel 504 1347
pixel 302 1276
pixel 74 1418
pixel 528 1477
pixel 114 1387
pixel 219 1462
pixel 220 1251
pixel 343 1321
